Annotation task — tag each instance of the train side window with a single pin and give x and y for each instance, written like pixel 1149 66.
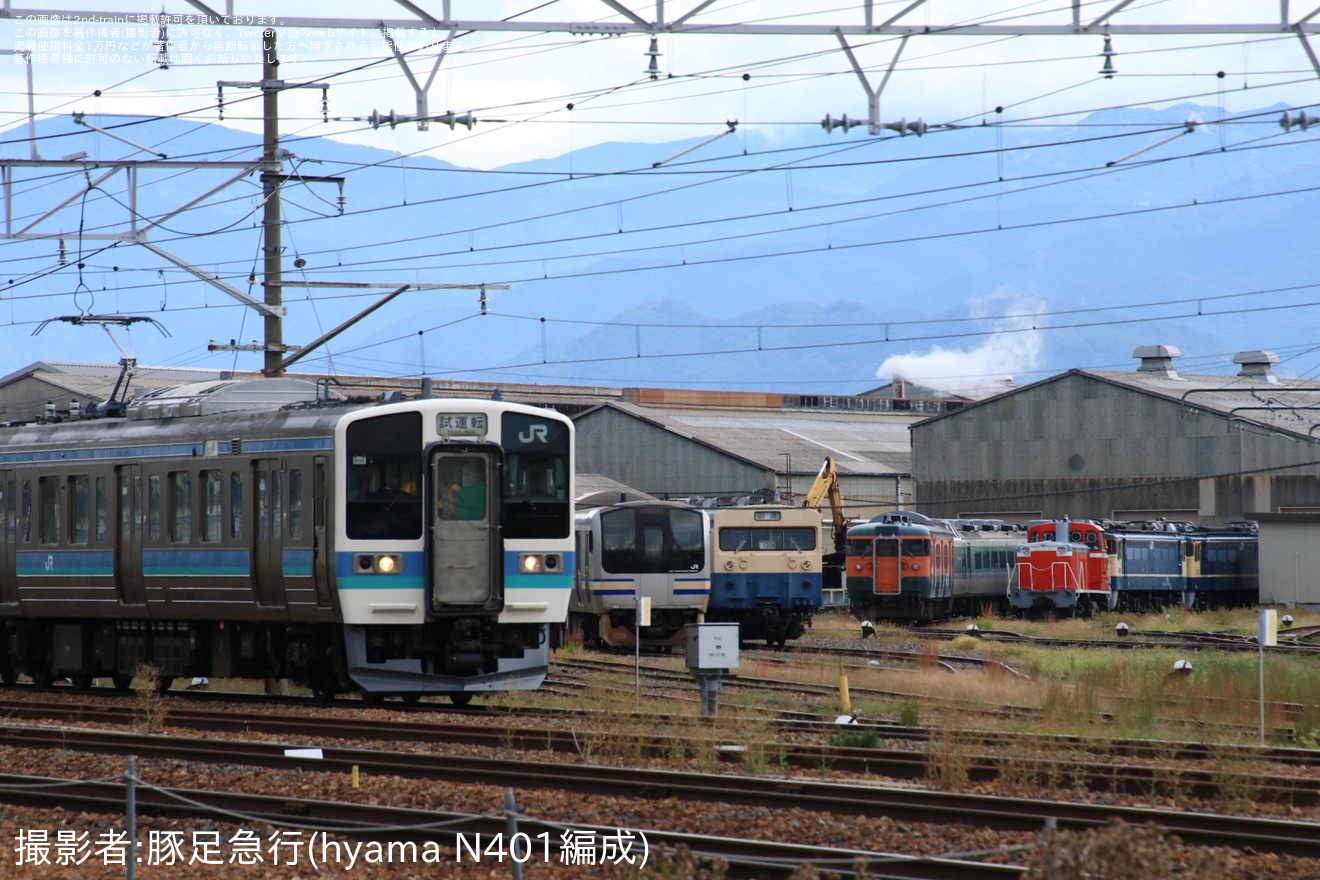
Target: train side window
pixel 25 513
pixel 79 513
pixel 180 506
pixel 295 504
pixel 236 506
pixel 153 508
pixel 102 511
pixel 212 507
pixel 48 491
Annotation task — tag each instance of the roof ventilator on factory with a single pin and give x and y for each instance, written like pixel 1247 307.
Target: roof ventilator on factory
pixel 1256 365
pixel 1157 359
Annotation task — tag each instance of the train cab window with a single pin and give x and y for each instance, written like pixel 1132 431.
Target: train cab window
pixel 180 507
pixel 734 540
pixel 48 490
pixel 536 476
pixel 80 523
pixel 25 513
pixel 383 494
pixel 295 504
pixel 859 546
pixel 919 547
pixel 101 506
pixel 212 507
pixel 887 548
pixel 652 541
pixel 153 508
pixel 461 492
pixel 236 506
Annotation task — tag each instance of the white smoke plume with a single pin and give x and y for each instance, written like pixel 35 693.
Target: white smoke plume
pixel 1014 347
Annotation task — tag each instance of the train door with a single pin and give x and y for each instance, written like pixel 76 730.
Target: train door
pixel 268 532
pixel 1192 580
pixel 320 536
pixel 464 552
pixel 128 535
pixel 886 564
pixel 8 573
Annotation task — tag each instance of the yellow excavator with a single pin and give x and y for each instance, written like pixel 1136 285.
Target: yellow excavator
pixel 825 487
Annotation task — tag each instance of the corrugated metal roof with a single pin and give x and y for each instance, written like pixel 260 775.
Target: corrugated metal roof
pixel 861 443
pixel 596 490
pixel 1291 405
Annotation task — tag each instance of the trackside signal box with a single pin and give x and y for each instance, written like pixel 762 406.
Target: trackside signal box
pixel 712 646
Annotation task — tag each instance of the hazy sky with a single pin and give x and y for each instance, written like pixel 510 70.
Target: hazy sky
pixel 529 79
pixel 519 85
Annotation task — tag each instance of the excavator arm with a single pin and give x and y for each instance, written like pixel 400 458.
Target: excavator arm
pixel 825 487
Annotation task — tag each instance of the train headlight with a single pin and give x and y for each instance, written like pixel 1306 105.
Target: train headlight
pixel 728 566
pixel 806 563
pixel 530 563
pixel 382 563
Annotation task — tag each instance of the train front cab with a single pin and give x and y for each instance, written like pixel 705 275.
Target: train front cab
pixel 765 571
pixel 1222 569
pixel 457 552
pixel 1146 569
pixel 899 571
pixel 658 550
pixel 1063 566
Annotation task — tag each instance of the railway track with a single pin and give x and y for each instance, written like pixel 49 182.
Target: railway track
pixel 746 858
pixel 1292 643
pixel 909 805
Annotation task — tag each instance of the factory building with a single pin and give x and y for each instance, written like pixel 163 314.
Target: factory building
pixel 716 448
pixel 1289 559
pixel 1139 444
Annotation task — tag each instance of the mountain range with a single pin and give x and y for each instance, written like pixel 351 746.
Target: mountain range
pixel 824 263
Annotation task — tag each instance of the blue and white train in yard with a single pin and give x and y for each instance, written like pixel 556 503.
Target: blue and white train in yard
pixel 631 550
pixel 270 528
pixel 758 566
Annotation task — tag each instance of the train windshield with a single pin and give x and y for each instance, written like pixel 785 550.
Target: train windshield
pixel 736 540
pixel 384 485
pixel 536 477
pixel 651 541
pixel 916 547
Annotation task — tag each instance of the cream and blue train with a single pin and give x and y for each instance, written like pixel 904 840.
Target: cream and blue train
pixel 271 529
pixel 766 570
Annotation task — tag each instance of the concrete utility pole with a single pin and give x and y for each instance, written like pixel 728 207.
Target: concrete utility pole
pixel 271 180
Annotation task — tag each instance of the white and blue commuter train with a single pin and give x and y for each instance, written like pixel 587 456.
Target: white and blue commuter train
pixel 658 550
pixel 269 528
